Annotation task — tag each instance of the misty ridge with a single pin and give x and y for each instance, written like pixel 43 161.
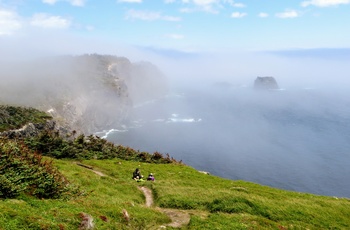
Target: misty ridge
pixel 86 92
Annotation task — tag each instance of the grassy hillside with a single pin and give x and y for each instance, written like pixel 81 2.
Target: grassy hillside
pixel 212 202
pixel 43 187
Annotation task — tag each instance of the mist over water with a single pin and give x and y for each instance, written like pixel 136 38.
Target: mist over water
pixel 296 139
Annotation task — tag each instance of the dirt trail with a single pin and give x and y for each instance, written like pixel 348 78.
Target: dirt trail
pixel 178 218
pixel 98 173
pixel 148 195
pixel 91 168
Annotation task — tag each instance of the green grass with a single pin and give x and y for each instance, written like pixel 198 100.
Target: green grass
pixel 103 196
pixel 214 203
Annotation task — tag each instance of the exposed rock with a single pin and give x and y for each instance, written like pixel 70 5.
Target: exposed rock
pixel 86 222
pixel 265 83
pixel 204 172
pixel 126 215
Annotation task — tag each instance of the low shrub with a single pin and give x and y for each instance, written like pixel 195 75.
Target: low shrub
pixel 52 144
pixel 23 170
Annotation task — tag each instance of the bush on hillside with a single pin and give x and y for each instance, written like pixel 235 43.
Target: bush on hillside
pixel 23 170
pixel 52 144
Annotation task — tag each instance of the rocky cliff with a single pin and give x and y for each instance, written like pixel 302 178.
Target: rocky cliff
pixel 87 93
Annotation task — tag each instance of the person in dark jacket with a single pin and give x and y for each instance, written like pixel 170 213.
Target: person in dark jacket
pixel 136 175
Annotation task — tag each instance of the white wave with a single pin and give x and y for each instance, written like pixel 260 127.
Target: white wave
pixel 175 117
pixel 105 133
pixel 183 120
pixel 159 120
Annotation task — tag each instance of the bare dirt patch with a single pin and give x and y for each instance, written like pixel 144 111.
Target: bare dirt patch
pixel 178 217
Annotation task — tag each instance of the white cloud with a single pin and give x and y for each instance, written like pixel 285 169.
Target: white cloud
pixel 288 14
pixel 171 18
pixel 205 2
pixel 324 3
pixel 131 1
pixel 149 16
pixel 72 2
pixel 143 15
pixel 238 5
pixel 263 15
pixel 9 22
pixel 51 2
pixel 238 15
pixel 175 36
pixel 169 1
pixel 47 21
pixel 209 6
pixel 77 2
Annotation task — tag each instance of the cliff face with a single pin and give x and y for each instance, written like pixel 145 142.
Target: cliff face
pixel 87 93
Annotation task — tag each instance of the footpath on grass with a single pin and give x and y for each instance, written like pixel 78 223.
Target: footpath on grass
pixel 179 218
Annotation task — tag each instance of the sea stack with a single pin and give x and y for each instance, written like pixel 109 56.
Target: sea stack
pixel 265 83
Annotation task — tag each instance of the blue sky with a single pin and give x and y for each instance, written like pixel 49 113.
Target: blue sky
pixel 185 25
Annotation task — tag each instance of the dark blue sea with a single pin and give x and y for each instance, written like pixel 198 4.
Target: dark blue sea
pixel 294 139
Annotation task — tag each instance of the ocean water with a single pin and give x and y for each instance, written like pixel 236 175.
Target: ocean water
pixel 294 139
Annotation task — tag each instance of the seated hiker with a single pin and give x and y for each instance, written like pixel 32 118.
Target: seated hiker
pixel 150 177
pixel 136 175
